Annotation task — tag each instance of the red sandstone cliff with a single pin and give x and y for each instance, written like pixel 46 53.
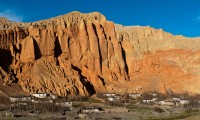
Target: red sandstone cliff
pixel 84 54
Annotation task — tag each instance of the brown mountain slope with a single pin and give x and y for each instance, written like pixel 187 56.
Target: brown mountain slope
pixel 84 54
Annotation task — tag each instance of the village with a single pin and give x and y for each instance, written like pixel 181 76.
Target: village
pixel 37 104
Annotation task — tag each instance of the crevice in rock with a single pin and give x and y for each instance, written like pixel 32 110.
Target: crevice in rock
pixel 76 90
pixel 57 62
pixel 103 31
pixel 100 55
pixel 102 80
pixel 16 49
pixel 124 57
pixel 70 41
pixel 57 49
pixel 38 54
pixel 5 59
pixel 86 28
pixel 89 87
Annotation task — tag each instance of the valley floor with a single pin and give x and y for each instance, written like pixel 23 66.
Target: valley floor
pixel 130 112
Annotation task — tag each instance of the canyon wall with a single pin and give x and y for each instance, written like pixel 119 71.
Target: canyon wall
pixel 83 54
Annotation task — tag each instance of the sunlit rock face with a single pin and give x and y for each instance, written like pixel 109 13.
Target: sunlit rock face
pixel 83 54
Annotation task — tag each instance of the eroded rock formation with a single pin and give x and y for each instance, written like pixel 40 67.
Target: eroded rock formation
pixel 84 53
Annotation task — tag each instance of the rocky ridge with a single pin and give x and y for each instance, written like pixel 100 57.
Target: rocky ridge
pixel 82 54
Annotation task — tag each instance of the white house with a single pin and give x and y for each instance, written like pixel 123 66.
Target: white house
pixel 39 95
pixel 90 109
pixel 134 95
pixel 14 99
pixel 41 101
pixel 150 101
pixel 154 94
pixel 64 103
pixel 147 101
pixel 109 94
pixel 154 99
pixel 184 102
pixel 20 98
pixel 113 98
pixel 176 99
pixel 167 103
pixel 53 96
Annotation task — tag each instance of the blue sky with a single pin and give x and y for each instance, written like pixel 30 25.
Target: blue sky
pixel 174 16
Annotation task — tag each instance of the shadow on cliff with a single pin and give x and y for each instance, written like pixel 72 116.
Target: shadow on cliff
pixel 57 49
pixel 5 59
pixel 124 57
pixel 38 54
pixel 87 84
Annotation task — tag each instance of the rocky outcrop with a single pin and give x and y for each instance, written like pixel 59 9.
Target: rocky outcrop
pixel 71 54
pixel 83 54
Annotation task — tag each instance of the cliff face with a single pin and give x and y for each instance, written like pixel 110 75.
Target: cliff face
pixel 71 54
pixel 84 54
pixel 158 61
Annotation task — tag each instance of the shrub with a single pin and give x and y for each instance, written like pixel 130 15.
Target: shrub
pixel 146 96
pixel 78 98
pixel 4 100
pixel 100 95
pixel 158 110
pixel 48 108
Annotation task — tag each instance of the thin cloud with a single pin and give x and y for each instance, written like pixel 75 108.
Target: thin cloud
pixel 197 18
pixel 11 15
